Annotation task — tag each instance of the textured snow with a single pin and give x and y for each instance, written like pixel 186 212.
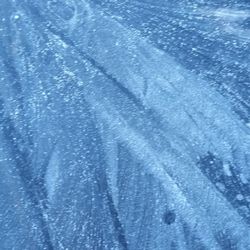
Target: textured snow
pixel 124 124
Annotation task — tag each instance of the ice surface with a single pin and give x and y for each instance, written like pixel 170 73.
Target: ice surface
pixel 124 124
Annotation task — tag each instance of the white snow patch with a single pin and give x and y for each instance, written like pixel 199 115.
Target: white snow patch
pixel 227 170
pixel 52 174
pixel 231 15
pixel 220 186
pixel 243 179
pixel 239 197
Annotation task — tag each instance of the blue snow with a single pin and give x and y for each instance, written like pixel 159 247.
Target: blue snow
pixel 124 124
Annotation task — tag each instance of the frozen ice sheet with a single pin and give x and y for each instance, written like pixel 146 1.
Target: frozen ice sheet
pixel 124 124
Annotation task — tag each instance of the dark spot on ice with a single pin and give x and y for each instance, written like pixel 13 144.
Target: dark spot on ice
pixel 169 217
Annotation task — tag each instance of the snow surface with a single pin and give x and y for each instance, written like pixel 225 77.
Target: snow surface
pixel 124 124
